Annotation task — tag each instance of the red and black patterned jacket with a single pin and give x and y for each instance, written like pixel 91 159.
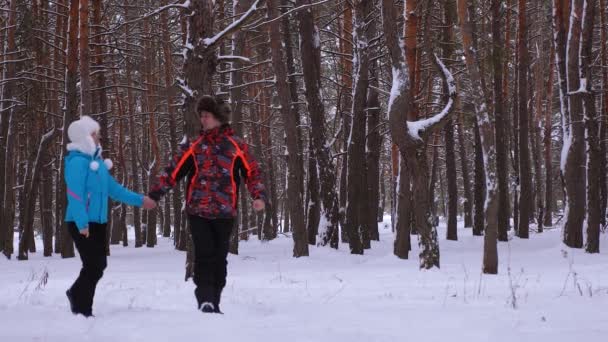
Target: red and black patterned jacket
pixel 214 164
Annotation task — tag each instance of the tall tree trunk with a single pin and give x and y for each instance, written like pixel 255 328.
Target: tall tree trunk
pixel 70 114
pixel 59 62
pixel 356 204
pixel 403 243
pixel 500 117
pixel 310 50
pixel 6 122
pixel 592 120
pixel 314 207
pixel 604 121
pixel 540 97
pixel 295 186
pixel 86 104
pixel 346 69
pixel 547 139
pixel 374 144
pixel 450 155
pixel 132 137
pixel 480 185
pixel 574 141
pixel 464 168
pixel 525 177
pixel 30 192
pixel 412 138
pixel 490 259
pixel 236 97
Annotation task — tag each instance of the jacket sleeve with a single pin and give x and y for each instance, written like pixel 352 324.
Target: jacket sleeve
pixel 76 170
pixel 252 173
pixel 180 166
pixel 121 194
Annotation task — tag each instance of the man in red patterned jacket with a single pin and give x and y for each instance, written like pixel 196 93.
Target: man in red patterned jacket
pixel 214 164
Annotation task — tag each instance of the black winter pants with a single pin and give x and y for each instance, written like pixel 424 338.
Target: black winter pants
pixel 92 252
pixel 211 238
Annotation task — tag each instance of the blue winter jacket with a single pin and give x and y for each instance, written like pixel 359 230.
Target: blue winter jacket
pixel 88 190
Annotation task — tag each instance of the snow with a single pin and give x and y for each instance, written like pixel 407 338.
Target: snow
pixel 214 39
pixel 400 84
pixel 233 57
pixel 415 127
pixel 316 43
pixel 556 294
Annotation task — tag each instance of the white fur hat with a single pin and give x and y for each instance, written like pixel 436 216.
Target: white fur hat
pixel 79 133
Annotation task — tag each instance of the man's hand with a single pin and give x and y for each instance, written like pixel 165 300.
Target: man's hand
pixel 258 205
pixel 149 203
pixel 85 232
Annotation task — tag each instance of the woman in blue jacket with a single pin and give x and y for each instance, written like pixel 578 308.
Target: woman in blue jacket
pixel 89 184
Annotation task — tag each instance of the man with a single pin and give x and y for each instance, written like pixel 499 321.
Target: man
pixel 214 164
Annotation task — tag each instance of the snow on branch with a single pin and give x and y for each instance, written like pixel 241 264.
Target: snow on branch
pixel 177 4
pixel 232 27
pixel 427 125
pixel 234 58
pixel 291 11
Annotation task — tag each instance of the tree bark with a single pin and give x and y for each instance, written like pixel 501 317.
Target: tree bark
pixel 574 140
pixel 525 177
pixel 374 144
pixel 450 155
pixel 604 121
pixel 502 162
pixel 310 50
pixel 592 120
pixel 295 186
pixel 7 153
pixel 412 138
pixel 487 140
pixel 86 104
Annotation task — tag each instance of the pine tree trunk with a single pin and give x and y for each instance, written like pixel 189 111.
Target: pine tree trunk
pixel 374 144
pixel 310 50
pixel 592 120
pixel 295 185
pixel 487 141
pixel 346 69
pixel 30 192
pixel 574 141
pixel 70 114
pixel 525 177
pixel 464 167
pixel 604 121
pixel 402 244
pixel 86 104
pixel 502 162
pixel 479 186
pixel 547 140
pixel 412 139
pixel 6 122
pixel 314 205
pixel 450 154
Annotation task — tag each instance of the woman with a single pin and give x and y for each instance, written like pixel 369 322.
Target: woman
pixel 89 184
pixel 214 164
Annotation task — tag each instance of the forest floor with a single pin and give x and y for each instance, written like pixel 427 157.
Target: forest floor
pixel 544 292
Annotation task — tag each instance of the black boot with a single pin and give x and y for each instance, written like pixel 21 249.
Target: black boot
pixel 70 296
pixel 218 297
pixel 205 297
pixel 75 309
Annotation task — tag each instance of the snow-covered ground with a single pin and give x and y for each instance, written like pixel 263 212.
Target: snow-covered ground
pixel 550 294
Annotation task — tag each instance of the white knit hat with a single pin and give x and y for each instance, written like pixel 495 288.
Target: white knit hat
pixel 79 133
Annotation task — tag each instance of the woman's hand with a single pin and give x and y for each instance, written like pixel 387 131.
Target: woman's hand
pixel 259 205
pixel 85 232
pixel 149 203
